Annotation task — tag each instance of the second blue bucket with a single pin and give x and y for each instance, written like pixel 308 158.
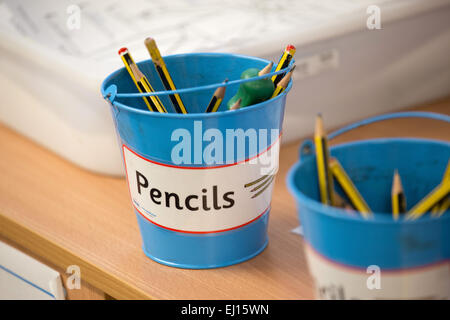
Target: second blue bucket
pixel 351 257
pixel 202 199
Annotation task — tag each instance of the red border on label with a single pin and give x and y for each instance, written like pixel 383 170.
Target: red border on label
pixel 173 166
pixel 202 232
pixel 358 270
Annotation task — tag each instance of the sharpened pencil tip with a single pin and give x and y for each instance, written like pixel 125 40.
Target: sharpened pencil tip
pixel 319 127
pixel 266 69
pixel 236 105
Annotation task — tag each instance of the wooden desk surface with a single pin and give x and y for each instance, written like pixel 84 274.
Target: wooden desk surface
pixel 73 217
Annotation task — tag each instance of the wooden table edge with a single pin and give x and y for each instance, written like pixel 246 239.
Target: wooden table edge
pixel 62 258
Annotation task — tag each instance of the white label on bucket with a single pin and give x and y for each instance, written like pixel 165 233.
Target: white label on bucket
pixel 336 281
pixel 202 200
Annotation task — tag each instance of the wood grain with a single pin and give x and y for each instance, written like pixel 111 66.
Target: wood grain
pixel 71 216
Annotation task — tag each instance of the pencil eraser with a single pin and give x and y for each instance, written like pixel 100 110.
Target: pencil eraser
pixel 122 50
pixel 290 47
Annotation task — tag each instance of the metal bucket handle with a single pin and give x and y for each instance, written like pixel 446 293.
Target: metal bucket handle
pixel 307 147
pixel 111 93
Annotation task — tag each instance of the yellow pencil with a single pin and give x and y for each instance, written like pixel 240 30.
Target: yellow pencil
pixel 216 99
pixel 446 176
pixel 127 61
pixel 435 209
pixel 164 74
pixel 424 205
pixel 444 206
pixel 398 196
pixel 342 203
pixel 322 156
pixel 283 63
pixel 282 85
pixel 266 69
pixel 349 188
pixel 439 208
pixel 153 103
pixel 145 85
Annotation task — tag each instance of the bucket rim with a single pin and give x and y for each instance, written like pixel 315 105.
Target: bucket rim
pixel 339 213
pixel 198 115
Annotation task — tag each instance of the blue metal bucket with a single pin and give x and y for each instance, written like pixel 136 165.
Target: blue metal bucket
pixel 196 214
pixel 412 256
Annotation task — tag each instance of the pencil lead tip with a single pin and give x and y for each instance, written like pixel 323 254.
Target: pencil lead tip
pixel 236 105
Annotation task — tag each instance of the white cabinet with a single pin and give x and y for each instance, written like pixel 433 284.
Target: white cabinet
pixel 24 278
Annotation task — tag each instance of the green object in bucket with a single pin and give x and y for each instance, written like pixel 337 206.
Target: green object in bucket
pixel 254 91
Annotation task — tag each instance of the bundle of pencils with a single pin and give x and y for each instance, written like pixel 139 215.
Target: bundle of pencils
pixel 323 169
pixel 284 62
pixel 140 80
pixel 437 201
pixel 282 85
pixel 330 173
pixel 164 74
pixel 153 103
pixel 329 169
pixel 351 192
pixel 255 92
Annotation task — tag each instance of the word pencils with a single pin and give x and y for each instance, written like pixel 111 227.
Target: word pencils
pixel 282 85
pixel 153 103
pixel 322 156
pixel 349 188
pixel 216 99
pixel 397 196
pixel 283 63
pixel 164 74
